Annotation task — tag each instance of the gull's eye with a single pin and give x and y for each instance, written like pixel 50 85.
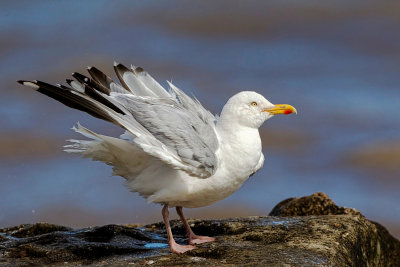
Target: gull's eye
pixel 254 104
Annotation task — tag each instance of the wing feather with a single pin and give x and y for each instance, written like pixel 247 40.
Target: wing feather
pixel 106 81
pixel 139 82
pixel 147 80
pixel 177 128
pixel 170 126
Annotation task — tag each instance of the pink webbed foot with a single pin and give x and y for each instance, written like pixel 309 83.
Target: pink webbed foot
pixel 198 239
pixel 176 248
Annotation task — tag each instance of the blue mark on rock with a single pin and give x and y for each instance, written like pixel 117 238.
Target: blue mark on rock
pixel 153 235
pixel 156 245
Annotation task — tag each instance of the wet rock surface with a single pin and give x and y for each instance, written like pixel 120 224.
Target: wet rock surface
pixel 347 239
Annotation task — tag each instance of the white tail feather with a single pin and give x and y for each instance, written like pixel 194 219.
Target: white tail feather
pixel 126 158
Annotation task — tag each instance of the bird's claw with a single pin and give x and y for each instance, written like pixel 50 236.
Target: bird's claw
pixel 200 239
pixel 179 249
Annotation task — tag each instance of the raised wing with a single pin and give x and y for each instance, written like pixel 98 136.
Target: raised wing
pixel 170 126
pixel 180 129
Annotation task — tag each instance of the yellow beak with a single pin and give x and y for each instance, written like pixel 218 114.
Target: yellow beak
pixel 281 109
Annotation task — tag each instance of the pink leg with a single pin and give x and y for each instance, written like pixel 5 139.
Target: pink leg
pixel 173 246
pixel 193 238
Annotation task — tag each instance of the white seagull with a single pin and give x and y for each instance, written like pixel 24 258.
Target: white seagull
pixel 174 152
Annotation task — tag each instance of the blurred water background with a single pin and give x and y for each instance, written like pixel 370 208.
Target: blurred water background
pixel 337 62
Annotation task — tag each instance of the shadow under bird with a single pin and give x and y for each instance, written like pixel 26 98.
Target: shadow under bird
pixel 173 152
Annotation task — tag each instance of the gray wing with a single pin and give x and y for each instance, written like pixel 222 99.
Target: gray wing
pixel 186 130
pixel 170 126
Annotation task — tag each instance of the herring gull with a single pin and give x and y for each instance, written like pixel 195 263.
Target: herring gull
pixel 173 152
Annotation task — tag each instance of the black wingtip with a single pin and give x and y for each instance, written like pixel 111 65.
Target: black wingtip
pixel 120 70
pixel 139 69
pixel 21 82
pixel 120 67
pixel 80 78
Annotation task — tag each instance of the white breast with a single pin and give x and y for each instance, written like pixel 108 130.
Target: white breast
pixel 239 156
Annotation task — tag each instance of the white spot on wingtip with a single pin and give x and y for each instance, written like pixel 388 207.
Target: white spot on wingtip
pixel 31 84
pixel 86 79
pixel 89 67
pixel 115 63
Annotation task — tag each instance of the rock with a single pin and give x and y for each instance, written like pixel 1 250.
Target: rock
pixel 316 204
pixel 347 239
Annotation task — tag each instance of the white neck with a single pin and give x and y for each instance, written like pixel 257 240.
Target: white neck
pixel 240 148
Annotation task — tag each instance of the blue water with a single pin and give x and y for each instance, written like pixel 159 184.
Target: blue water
pixel 340 72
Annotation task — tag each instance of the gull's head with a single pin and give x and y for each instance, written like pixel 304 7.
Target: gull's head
pixel 252 109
